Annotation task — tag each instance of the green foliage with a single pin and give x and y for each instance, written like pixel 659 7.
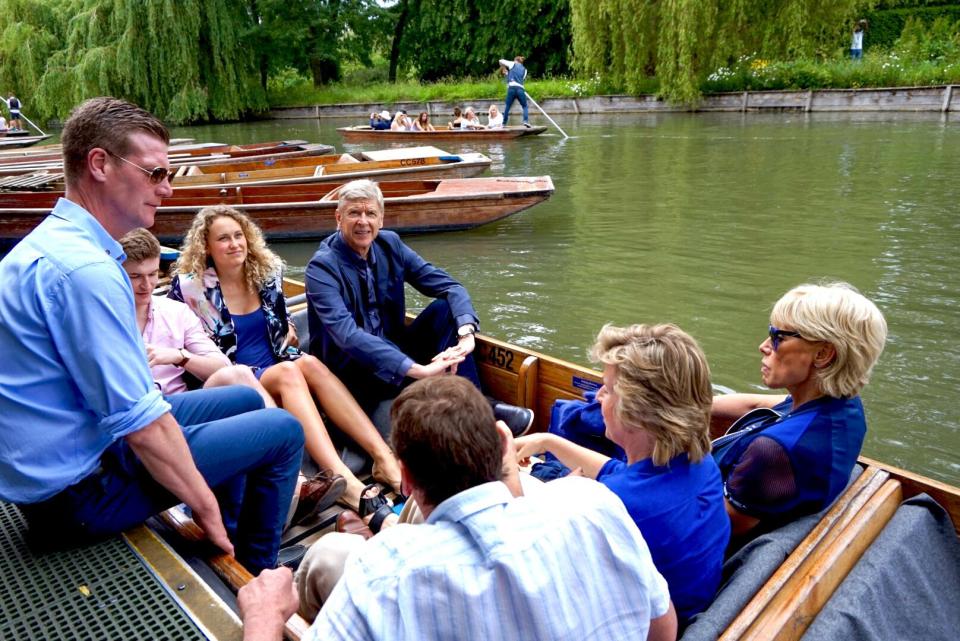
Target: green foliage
pixel 181 59
pixel 316 37
pixel 480 91
pixel 681 41
pixel 938 41
pixel 875 70
pixel 886 25
pixel 457 38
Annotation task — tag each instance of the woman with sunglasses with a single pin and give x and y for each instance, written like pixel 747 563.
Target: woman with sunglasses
pixel 225 263
pixel 822 343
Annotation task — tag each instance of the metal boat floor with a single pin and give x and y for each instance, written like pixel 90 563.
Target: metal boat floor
pixel 101 591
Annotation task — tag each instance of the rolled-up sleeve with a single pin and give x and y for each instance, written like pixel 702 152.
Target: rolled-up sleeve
pixel 95 334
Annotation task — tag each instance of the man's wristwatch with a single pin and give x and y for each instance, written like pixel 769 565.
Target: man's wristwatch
pixel 184 357
pixel 466 330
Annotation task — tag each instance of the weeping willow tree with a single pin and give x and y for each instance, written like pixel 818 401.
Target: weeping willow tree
pixel 181 59
pixel 681 41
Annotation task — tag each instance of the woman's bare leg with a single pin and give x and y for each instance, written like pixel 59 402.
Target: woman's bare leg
pixel 343 409
pixel 239 375
pixel 287 385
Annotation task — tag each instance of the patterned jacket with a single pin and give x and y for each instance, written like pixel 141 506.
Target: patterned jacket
pixel 205 298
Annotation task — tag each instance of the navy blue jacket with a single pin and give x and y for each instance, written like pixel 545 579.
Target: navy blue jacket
pixel 335 311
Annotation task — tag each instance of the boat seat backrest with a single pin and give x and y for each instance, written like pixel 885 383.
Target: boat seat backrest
pixel 299 318
pixel 746 572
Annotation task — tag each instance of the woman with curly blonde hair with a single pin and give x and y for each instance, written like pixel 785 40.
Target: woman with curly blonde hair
pixel 655 403
pixel 233 282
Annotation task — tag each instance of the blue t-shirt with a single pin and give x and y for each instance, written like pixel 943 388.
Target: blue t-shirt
pixel 679 510
pixel 253 340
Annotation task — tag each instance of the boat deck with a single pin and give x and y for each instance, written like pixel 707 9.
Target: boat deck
pixel 111 590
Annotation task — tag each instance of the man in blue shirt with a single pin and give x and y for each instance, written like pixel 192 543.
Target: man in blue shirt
pixel 88 445
pixel 357 310
pixel 567 563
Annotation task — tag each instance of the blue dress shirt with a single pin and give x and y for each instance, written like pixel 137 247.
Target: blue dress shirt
pixel 565 563
pixel 74 375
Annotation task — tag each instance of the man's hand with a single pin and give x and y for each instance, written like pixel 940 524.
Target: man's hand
pixel 163 355
pixel 266 603
pixel 442 363
pixel 464 346
pixel 211 522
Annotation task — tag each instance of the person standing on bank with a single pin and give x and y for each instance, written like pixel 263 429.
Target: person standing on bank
pixel 516 75
pixel 856 43
pixel 88 446
pixel 13 104
pixel 357 310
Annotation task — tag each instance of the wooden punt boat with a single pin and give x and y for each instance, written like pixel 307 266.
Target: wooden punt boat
pixel 414 163
pixel 301 212
pixel 13 141
pixel 782 608
pixel 365 133
pixel 196 154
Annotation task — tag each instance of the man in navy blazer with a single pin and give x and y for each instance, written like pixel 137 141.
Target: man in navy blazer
pixel 357 310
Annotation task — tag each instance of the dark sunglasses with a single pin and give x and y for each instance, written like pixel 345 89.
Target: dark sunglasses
pixel 777 335
pixel 157 175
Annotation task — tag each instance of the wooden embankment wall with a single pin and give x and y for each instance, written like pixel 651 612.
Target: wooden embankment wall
pixel 944 99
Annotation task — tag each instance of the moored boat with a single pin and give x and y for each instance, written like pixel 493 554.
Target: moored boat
pixel 365 133
pixel 21 140
pixel 414 163
pixel 18 163
pixel 306 211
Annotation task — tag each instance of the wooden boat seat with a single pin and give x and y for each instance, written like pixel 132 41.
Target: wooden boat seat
pixel 754 575
pixel 905 585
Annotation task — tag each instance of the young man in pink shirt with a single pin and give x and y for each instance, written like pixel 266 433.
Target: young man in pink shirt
pixel 172 334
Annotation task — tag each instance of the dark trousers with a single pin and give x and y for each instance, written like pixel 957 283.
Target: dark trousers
pixel 433 331
pixel 516 93
pixel 248 455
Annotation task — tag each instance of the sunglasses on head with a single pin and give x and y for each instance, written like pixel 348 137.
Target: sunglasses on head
pixel 777 335
pixel 157 175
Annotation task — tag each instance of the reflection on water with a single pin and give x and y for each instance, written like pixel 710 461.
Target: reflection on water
pixel 704 221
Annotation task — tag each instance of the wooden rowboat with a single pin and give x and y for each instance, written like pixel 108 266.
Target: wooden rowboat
pixel 301 212
pixel 13 141
pixel 415 163
pixel 196 154
pixel 782 608
pixel 365 133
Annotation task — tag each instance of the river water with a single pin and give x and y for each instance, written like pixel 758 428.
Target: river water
pixel 704 220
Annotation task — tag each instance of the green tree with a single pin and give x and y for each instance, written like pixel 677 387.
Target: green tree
pixel 181 59
pixel 466 38
pixel 317 36
pixel 681 41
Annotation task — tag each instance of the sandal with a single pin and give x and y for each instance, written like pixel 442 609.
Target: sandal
pixel 372 501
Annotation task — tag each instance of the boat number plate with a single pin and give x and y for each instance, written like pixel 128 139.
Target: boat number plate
pixel 501 357
pixel 411 162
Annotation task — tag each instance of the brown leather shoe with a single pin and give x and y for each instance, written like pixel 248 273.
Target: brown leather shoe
pixel 318 493
pixel 350 522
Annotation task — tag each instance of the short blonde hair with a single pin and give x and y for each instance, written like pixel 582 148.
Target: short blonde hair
pixel 663 381
pixel 261 264
pixel 840 315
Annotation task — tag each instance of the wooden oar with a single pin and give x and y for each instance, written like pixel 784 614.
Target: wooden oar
pixel 530 98
pixel 226 566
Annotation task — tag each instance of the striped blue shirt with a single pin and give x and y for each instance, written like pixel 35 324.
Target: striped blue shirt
pixel 73 370
pixel 565 563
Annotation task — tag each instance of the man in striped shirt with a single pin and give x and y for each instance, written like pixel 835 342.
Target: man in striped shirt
pixel 568 563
